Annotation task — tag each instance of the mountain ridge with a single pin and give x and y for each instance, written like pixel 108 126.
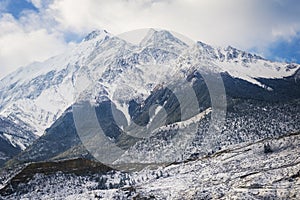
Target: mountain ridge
pixel 39 94
pixel 187 110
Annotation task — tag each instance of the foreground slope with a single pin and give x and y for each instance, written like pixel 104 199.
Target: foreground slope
pixel 266 169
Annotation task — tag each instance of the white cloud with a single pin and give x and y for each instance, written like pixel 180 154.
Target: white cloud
pixel 246 24
pixel 22 45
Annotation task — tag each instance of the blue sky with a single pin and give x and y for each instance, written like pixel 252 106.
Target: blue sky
pixel 33 30
pixel 285 50
pixel 16 7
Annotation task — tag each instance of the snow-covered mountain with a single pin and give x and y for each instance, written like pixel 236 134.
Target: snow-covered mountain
pixel 38 94
pixel 13 139
pixel 132 79
pixel 136 81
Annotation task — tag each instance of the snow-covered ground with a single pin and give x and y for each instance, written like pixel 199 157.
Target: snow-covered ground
pixel 244 171
pixel 266 169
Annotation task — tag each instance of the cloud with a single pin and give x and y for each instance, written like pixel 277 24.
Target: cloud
pixel 239 22
pixel 22 44
pixel 246 24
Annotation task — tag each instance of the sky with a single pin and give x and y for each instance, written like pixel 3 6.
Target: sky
pixel 34 30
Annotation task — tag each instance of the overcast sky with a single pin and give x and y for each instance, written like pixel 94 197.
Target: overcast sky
pixel 33 30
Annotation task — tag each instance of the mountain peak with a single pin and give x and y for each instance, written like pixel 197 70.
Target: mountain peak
pixel 204 45
pixel 163 39
pixel 234 53
pixel 95 34
pixel 154 35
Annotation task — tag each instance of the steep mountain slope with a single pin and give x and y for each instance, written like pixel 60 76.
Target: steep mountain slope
pixel 38 94
pixel 248 119
pixel 109 72
pixel 13 139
